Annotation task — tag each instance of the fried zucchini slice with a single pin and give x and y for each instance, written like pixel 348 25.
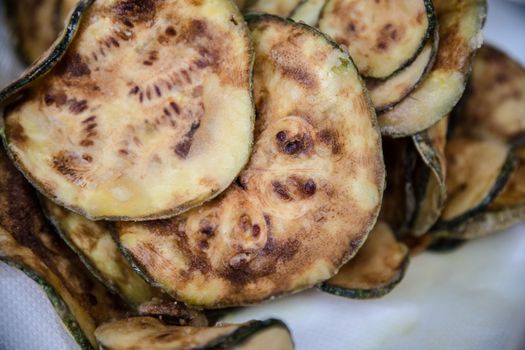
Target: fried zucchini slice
pixel 308 11
pixel 94 244
pixel 385 94
pixel 141 333
pixel 28 243
pixel 148 114
pixel 460 23
pixel 35 33
pixel 272 7
pixel 430 201
pixel 376 269
pixel 307 199
pixel 477 172
pixel 382 37
pixel 495 99
pixel 506 210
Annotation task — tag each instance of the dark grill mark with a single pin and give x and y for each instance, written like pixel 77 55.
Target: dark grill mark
pixel 281 190
pixel 78 107
pixel 183 148
pixel 72 66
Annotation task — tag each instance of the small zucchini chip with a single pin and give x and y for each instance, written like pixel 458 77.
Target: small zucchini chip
pixel 272 7
pixel 308 11
pixel 306 201
pixel 495 100
pixel 376 269
pixel 430 200
pixel 36 24
pixel 145 333
pixel 148 113
pixel 385 94
pixel 93 242
pixel 478 170
pixel 460 24
pixel 28 243
pixel 382 37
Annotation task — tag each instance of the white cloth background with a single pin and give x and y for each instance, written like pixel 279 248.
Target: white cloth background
pixel 470 299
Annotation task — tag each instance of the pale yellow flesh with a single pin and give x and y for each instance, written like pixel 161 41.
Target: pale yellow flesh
pixel 149 113
pixel 308 11
pixel 460 23
pixel 473 168
pixel 273 7
pixel 495 104
pixel 376 264
pixel 381 36
pixel 385 94
pixel 93 240
pixel 149 333
pixel 307 199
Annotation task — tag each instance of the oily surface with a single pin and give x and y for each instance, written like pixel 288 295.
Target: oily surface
pixel 148 113
pixel 307 199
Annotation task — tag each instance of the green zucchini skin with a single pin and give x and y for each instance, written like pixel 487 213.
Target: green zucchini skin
pixel 497 187
pixel 460 24
pixel 372 293
pixel 58 303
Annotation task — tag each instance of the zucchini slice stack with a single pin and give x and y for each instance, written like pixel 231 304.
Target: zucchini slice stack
pixel 150 333
pixel 306 201
pixel 114 131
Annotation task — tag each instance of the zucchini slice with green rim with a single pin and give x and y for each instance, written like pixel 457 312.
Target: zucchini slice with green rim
pixel 306 201
pixel 28 243
pixel 149 333
pixel 477 172
pixel 495 98
pixel 93 242
pixel 35 33
pixel 148 114
pixel 272 7
pixel 308 11
pixel 376 269
pixel 460 23
pixel 430 203
pixel 382 37
pixel 385 94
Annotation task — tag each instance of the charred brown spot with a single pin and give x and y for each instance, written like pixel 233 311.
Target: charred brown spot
pixel 281 190
pixel 59 98
pixel 67 164
pixel 87 157
pixel 129 11
pixel 329 138
pixel 183 148
pixel 197 28
pixel 78 107
pixel 73 66
pixel 203 244
pixel 309 187
pixel 388 34
pixel 256 230
pixel 91 299
pixel 288 62
pixel 170 31
pixel 293 147
pixel 281 136
pixel 89 119
pixel 86 143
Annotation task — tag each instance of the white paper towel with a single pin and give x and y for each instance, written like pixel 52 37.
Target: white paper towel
pixel 472 298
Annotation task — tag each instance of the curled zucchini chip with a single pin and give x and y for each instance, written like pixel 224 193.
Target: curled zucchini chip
pixel 308 11
pixel 385 94
pixel 141 333
pixel 460 23
pixel 273 7
pixel 376 269
pixel 430 199
pixel 94 244
pixel 506 210
pixel 36 24
pixel 28 243
pixel 148 114
pixel 307 199
pixel 477 172
pixel 495 99
pixel 382 37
